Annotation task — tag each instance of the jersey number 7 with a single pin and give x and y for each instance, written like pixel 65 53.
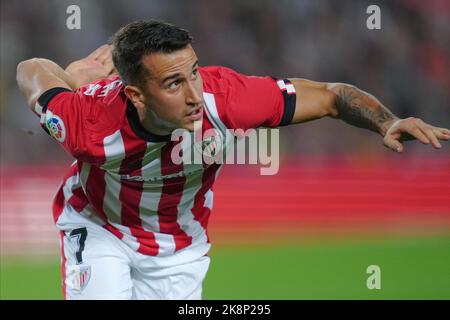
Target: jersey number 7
pixel 81 235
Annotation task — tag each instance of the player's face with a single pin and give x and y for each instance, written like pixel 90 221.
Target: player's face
pixel 173 93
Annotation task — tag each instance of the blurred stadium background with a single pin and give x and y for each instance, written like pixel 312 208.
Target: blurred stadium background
pixel 340 202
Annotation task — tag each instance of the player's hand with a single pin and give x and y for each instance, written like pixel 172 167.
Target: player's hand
pixel 96 65
pixel 411 129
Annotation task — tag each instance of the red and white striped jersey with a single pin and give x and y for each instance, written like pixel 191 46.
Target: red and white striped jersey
pixel 123 177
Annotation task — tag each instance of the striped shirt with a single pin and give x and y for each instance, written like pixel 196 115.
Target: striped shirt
pixel 124 179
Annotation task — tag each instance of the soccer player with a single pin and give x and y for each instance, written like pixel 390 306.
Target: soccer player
pixel 133 223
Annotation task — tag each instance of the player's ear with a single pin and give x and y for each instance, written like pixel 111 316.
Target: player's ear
pixel 135 95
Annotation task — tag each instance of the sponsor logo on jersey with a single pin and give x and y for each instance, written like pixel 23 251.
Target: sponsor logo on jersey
pixel 56 127
pixel 160 178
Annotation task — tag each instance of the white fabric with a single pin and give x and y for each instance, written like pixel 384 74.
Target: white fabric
pixel 115 271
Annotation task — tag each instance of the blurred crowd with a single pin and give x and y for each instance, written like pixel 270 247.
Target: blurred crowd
pixel 405 64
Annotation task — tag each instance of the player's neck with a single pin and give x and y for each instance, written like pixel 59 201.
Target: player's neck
pixel 153 124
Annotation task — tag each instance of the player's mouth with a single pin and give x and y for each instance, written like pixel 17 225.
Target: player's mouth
pixel 195 114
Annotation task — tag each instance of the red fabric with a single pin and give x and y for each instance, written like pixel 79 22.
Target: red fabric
pixel 202 213
pixel 99 110
pixel 88 116
pixel 244 102
pixel 172 191
pixel 131 193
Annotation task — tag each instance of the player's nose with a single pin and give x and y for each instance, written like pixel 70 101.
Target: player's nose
pixel 193 95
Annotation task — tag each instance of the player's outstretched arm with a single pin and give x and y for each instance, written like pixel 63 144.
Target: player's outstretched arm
pixel 361 109
pixel 35 76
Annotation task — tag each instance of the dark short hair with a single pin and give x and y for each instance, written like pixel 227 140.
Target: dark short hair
pixel 139 38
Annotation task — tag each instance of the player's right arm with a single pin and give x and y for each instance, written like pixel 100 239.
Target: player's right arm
pixel 65 112
pixel 36 76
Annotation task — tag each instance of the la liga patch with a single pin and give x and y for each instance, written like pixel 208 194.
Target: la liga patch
pixel 56 128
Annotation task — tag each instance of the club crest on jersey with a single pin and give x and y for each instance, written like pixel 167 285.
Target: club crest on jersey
pixel 211 146
pixel 56 127
pixel 78 277
pixel 84 276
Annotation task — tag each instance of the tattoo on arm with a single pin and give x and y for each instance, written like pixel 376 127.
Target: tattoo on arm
pixel 361 109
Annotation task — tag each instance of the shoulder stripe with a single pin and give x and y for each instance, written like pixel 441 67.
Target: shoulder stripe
pixel 213 113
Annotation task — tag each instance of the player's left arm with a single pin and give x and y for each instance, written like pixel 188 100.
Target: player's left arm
pixel 315 100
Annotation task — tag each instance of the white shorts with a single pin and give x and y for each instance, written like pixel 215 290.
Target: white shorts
pixel 98 265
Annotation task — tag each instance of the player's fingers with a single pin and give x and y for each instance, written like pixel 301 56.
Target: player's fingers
pixel 97 52
pixel 419 135
pixel 108 64
pixel 393 144
pixel 94 54
pixel 113 72
pixel 105 55
pixel 109 67
pixel 429 133
pixel 441 133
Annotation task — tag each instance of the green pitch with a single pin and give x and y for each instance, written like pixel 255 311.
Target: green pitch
pixel 411 268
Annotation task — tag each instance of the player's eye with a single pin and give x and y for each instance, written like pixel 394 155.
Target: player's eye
pixel 174 84
pixel 195 73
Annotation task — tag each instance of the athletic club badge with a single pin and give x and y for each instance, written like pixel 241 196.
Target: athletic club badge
pixel 210 146
pixel 56 128
pixel 84 276
pixel 78 277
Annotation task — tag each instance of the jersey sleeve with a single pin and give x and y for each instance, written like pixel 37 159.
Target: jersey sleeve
pixel 64 116
pixel 254 102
